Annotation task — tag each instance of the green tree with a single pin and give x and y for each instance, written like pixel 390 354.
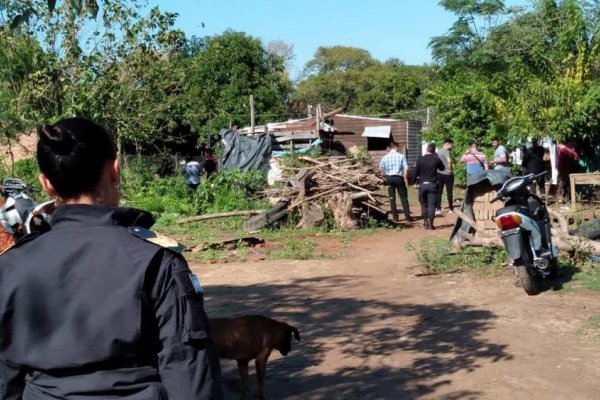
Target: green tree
pixel 350 77
pixel 19 57
pixel 118 66
pixel 338 58
pixel 229 69
pixel 532 73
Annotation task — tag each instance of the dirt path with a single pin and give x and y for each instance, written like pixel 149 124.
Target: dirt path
pixel 371 329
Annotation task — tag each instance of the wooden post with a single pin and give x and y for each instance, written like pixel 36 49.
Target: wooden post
pixel 252 121
pixel 318 119
pixel 573 194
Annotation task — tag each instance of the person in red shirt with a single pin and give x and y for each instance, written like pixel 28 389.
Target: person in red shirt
pixel 566 164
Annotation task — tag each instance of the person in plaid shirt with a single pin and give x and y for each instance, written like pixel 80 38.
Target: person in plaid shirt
pixel 395 168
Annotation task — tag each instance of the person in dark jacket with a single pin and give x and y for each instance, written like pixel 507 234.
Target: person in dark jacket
pixel 99 307
pixel 533 163
pixel 426 172
pixel 210 164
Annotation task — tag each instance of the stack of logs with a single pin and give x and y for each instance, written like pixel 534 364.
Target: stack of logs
pixel 344 185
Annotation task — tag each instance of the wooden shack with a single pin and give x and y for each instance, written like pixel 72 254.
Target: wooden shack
pixel 375 135
pixel 291 135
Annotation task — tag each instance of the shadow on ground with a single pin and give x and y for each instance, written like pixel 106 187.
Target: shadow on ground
pixel 370 349
pixel 565 275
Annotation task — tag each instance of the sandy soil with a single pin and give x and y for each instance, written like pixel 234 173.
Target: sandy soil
pixel 372 329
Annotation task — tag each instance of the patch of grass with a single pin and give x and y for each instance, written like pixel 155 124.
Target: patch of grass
pixel 295 250
pixel 241 252
pixel 588 278
pixel 439 256
pixel 578 273
pixel 210 255
pixel 591 329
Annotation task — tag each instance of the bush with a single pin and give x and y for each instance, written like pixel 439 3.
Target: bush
pixel 228 190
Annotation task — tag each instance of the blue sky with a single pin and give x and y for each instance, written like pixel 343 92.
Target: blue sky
pixel 387 28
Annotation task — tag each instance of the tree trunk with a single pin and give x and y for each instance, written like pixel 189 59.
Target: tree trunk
pixel 563 242
pixel 341 206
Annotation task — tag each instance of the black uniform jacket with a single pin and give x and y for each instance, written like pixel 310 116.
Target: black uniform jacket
pixel 90 311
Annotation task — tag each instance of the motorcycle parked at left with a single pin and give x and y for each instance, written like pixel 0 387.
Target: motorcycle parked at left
pixel 21 214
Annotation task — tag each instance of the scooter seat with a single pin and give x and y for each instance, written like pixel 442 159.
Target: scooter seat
pixel 514 208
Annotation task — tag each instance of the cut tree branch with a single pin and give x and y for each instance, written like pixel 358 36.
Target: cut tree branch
pixel 219 215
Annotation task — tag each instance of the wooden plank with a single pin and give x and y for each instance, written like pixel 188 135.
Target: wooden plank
pixel 467 219
pixel 291 146
pixel 296 136
pixel 219 215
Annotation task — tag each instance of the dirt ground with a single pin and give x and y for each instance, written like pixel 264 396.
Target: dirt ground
pixel 373 329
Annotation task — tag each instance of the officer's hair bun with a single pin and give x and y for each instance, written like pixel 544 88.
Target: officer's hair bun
pixel 60 142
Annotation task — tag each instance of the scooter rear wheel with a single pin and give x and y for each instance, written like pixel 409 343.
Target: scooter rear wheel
pixel 527 281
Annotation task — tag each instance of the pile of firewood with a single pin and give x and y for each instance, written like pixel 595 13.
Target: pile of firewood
pixel 344 185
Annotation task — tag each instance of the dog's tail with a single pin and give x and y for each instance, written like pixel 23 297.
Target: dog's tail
pixel 295 332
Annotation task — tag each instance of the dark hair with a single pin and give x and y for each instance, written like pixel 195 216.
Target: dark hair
pixel 495 139
pixel 448 140
pixel 72 154
pixel 394 145
pixel 472 142
pixel 431 148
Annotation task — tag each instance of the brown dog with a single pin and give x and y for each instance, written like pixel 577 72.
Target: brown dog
pixel 251 337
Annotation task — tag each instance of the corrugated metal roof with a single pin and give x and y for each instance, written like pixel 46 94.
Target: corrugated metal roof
pixel 382 131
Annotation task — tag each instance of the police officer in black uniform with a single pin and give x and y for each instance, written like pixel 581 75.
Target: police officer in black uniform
pixel 426 171
pixel 94 309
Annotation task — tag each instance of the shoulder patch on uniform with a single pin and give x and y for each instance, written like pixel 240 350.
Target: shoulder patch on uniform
pixel 196 284
pixel 157 239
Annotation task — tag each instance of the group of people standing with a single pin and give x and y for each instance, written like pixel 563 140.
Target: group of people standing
pixel 396 171
pixel 434 171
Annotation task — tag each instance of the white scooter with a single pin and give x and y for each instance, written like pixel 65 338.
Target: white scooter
pixel 524 224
